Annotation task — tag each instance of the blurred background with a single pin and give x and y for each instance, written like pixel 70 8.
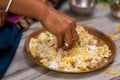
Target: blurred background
pixel 85 9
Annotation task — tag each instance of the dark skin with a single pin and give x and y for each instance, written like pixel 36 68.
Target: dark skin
pixel 58 23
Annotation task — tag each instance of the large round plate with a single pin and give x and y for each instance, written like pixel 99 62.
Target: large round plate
pixel 100 36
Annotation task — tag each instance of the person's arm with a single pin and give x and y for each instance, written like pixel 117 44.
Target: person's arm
pixel 30 8
pixel 59 24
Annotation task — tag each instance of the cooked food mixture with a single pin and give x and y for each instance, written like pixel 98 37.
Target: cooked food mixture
pixel 85 56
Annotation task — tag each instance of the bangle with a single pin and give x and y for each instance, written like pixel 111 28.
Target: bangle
pixel 8 6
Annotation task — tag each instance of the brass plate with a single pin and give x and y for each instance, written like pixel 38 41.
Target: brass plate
pixel 104 39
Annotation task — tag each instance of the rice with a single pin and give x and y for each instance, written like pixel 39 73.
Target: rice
pixel 53 64
pixel 86 55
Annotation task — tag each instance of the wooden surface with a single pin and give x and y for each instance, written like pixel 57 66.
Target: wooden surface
pixel 22 68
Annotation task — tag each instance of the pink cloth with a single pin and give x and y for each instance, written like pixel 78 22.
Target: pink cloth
pixel 12 18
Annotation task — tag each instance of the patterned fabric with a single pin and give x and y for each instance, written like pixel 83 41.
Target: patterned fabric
pixel 24 23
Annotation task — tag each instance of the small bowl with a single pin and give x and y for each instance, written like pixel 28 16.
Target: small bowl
pixel 82 7
pixel 115 9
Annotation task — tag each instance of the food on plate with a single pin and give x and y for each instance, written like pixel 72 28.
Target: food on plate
pixel 86 55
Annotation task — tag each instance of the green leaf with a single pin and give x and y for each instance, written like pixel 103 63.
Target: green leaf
pixel 109 1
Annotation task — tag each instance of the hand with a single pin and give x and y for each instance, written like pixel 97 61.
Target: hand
pixel 62 26
pixel 59 24
pixel 2 18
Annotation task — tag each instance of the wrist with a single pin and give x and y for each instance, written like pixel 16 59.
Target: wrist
pixel 3 4
pixel 41 11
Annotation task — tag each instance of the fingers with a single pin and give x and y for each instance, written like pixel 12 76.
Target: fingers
pixel 75 36
pixel 71 37
pixel 63 25
pixel 69 40
pixel 60 41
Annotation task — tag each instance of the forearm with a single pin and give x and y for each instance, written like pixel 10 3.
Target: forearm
pixel 30 8
pixel 59 24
